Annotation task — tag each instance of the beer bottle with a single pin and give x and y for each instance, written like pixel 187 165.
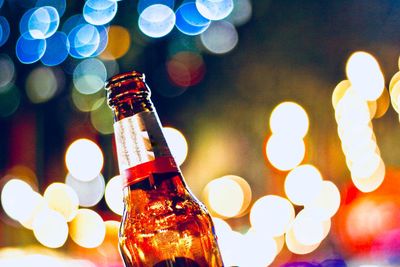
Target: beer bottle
pixel 163 224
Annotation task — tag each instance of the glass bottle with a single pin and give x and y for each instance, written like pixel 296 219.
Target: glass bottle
pixel 163 224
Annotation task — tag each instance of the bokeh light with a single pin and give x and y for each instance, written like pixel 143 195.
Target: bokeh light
pixel 352 109
pixel 86 103
pixel 60 5
pixel 156 20
pixel 215 10
pixel 33 207
pixel 119 42
pixel 371 183
pixel 100 12
pixel 89 193
pixel 230 245
pixel 102 118
pixel 14 196
pixel 189 21
pixel 289 119
pixel 285 153
pixel 143 4
pixel 84 159
pixel 272 215
pixel 257 249
pixel 10 99
pixel 241 13
pixel 327 203
pixel 114 195
pixel 229 187
pixel 89 76
pixel 308 229
pixel 280 243
pixel 4 30
pixel 109 247
pixel 382 104
pixel 84 40
pixel 50 228
pixel 224 196
pixel 365 75
pixel 177 144
pixel 40 23
pixel 303 184
pixel 185 69
pixel 295 246
pixel 103 40
pixel 63 199
pixel 29 50
pixel 7 74
pixel 23 173
pixel 57 49
pixel 339 91
pixel 88 229
pixel 41 85
pixel 220 38
pixel 73 21
pixel 221 226
pixel 366 166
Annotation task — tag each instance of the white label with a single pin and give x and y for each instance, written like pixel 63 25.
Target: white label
pixel 139 139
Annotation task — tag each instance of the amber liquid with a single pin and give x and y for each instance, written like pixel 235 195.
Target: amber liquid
pixel 165 225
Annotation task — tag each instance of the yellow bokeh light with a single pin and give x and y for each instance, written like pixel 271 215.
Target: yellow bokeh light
pixel 285 153
pixel 119 42
pixel 24 173
pixel 327 203
pixel 272 215
pixel 365 166
pixel 33 208
pixel 63 199
pixel 102 118
pixel 296 247
pixel 247 194
pixel 394 80
pixel 177 144
pixel 339 92
pixel 289 119
pixel 88 229
pixel 382 104
pixel 307 228
pixel 84 159
pixel 326 225
pixel 14 197
pixel 224 196
pixel 109 247
pixel 230 245
pixel 395 95
pixel 114 195
pixel 303 184
pixel 221 226
pixel 364 73
pixel 358 148
pixel 258 249
pixel 50 228
pixel 371 183
pixel 352 109
pixel 86 103
pixel 280 242
pixel 360 134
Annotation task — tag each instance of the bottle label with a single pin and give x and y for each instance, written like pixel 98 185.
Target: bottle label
pixel 144 170
pixel 141 145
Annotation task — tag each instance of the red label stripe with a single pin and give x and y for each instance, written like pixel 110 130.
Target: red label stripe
pixel 142 171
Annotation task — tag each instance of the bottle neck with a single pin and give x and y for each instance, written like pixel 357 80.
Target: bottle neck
pixel 142 149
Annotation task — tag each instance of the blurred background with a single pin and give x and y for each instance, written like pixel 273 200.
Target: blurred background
pixel 282 114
